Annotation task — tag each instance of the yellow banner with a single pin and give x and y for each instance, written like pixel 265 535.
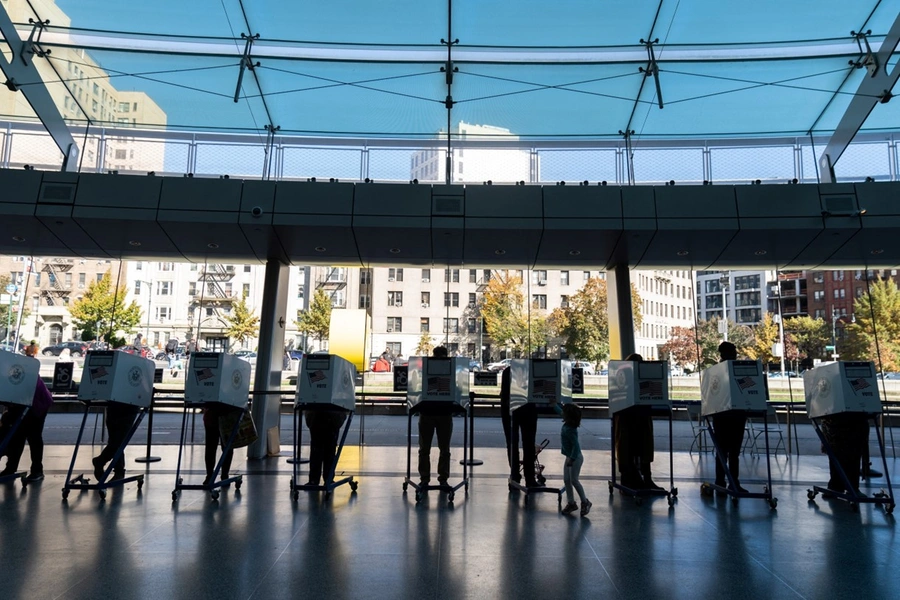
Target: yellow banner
pixel 349 336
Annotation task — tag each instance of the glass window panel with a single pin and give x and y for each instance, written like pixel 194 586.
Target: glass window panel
pixel 304 162
pixel 743 164
pixel 577 165
pixel 864 160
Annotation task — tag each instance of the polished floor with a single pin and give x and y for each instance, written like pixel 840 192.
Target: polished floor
pixel 378 543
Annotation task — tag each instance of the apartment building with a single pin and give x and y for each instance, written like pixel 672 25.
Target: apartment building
pixel 666 302
pixel 745 295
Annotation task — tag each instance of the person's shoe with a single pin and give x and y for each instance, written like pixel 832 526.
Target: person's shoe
pixel 570 508
pixel 649 485
pixel 741 490
pixel 98 469
pixel 442 481
pixel 118 474
pixel 872 474
pixel 7 472
pixel 205 480
pixel 586 507
pixel 34 477
pixel 532 484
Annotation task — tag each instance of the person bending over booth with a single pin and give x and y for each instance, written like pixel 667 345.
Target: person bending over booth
pixel 119 419
pixel 729 430
pixel 31 430
pixel 520 424
pixel 634 444
pixel 324 429
pixel 440 420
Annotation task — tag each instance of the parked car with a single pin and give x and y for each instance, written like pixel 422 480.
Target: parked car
pixel 474 365
pixel 11 348
pixel 247 355
pixel 783 374
pixel 588 368
pixel 499 365
pixel 296 354
pixel 142 351
pixel 76 349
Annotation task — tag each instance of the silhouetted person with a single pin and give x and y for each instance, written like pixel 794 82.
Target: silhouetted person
pixel 729 430
pixel 435 419
pixel 634 444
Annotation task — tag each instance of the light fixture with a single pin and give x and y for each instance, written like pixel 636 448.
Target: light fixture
pixel 760 253
pixel 134 243
pixel 394 250
pixel 212 245
pixel 499 252
pixel 18 238
pixel 574 252
pixel 878 251
pixel 320 248
pixel 682 253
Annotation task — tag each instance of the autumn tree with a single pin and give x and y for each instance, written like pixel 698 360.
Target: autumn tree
pixel 426 345
pixel 809 335
pixel 877 317
pixel 683 343
pixel 7 315
pixel 242 323
pixel 316 320
pixel 102 310
pixel 765 336
pixel 584 322
pixel 507 319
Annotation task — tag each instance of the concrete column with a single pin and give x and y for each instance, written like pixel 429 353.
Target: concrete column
pixel 267 409
pixel 621 319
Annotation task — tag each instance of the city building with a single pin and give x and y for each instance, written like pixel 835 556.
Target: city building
pixel 744 295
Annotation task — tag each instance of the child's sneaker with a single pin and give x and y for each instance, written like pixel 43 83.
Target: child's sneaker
pixel 586 508
pixel 570 508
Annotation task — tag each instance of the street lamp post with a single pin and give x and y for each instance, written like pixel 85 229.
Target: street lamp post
pixel 834 316
pixel 778 319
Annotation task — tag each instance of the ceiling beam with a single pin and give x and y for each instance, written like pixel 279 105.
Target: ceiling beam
pixel 875 88
pixel 23 76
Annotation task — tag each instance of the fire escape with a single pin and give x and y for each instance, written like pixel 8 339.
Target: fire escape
pixel 334 283
pixel 59 286
pixel 213 291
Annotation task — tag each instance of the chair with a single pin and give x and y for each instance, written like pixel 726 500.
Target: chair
pixel 757 430
pixel 699 429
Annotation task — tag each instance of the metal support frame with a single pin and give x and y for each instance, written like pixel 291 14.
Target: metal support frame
pixel 23 76
pixel 873 89
pixel 269 162
pixel 246 63
pixel 449 69
pixel 652 68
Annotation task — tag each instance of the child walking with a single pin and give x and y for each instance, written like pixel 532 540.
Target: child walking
pixel 571 415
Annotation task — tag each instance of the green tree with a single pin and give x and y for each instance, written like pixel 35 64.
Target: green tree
pixel 876 312
pixel 506 318
pixel 6 313
pixel 242 323
pixel 584 322
pixel 316 320
pixel 684 341
pixel 810 335
pixel 426 345
pixel 765 336
pixel 102 310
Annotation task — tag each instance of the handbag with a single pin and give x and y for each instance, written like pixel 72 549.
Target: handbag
pixel 246 433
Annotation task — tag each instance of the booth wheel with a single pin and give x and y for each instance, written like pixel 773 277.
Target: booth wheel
pixel 65 493
pixel 405 486
pixel 675 492
pixel 174 495
pixel 773 503
pixel 295 494
pixel 418 496
pixel 214 495
pixel 811 494
pixel 611 488
pixel 734 500
pixel 237 485
pixel 140 484
pixel 671 500
pixel 451 497
pixel 854 506
pixel 889 509
pixel 706 489
pixel 638 500
pixel 354 485
pixel 102 494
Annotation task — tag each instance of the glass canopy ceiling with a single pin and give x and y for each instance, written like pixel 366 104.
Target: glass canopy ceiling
pixel 568 69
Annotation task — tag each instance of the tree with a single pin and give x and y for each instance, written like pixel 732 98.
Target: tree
pixel 102 310
pixel 584 322
pixel 683 342
pixel 242 323
pixel 316 321
pixel 506 318
pixel 877 315
pixel 425 345
pixel 810 335
pixel 765 336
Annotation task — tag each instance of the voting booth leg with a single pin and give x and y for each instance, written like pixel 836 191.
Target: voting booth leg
pixel 5 442
pixel 297 459
pixel 147 458
pixel 640 494
pixel 328 483
pixel 471 460
pixel 213 484
pixel 80 482
pixel 852 495
pixel 731 489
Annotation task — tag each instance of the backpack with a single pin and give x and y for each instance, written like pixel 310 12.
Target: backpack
pixel 171 346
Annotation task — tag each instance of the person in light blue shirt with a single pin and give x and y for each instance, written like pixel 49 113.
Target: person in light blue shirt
pixel 571 448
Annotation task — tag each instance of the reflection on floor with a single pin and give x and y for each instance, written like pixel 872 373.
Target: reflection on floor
pixel 377 543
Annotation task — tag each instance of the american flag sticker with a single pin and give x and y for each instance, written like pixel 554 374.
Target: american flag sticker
pixel 438 385
pixel 204 374
pixel 316 376
pixel 859 384
pixel 98 373
pixel 745 382
pixel 652 389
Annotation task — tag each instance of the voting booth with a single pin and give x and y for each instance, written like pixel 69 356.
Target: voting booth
pixel 637 383
pixel 841 387
pixel 18 378
pixel 326 379
pixel 117 377
pixel 733 385
pixel 432 379
pixel 539 381
pixel 217 377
